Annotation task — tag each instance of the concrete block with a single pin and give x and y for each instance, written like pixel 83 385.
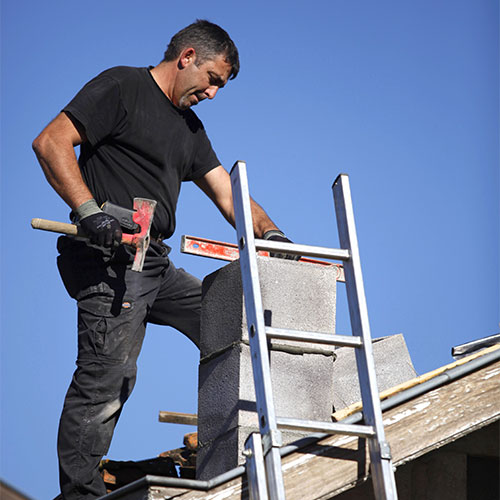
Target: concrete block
pixel 302 386
pixel 392 366
pixel 306 385
pixel 295 295
pixel 225 453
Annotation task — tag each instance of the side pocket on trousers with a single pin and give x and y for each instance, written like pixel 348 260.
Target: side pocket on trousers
pixel 102 332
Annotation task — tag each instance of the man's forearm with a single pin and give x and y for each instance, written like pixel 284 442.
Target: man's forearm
pixel 216 184
pixel 60 171
pixel 261 221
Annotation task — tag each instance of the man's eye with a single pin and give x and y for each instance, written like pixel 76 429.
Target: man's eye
pixel 215 80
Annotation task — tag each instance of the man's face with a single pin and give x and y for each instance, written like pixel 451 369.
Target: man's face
pixel 196 83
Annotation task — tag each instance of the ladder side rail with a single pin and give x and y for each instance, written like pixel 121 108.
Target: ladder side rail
pixel 256 473
pixel 256 331
pixel 382 471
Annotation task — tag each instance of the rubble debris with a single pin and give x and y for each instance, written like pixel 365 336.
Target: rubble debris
pixel 180 462
pixel 117 473
pixel 191 441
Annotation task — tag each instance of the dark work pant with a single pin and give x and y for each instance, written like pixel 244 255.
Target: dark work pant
pixel 114 305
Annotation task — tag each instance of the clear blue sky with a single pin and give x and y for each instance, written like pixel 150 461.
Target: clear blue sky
pixel 402 96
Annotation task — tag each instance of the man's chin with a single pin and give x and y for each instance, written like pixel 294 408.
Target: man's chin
pixel 187 102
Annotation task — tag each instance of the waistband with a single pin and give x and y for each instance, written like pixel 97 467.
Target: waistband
pixel 157 237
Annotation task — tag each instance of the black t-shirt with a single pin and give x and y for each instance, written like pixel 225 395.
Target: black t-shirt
pixel 139 144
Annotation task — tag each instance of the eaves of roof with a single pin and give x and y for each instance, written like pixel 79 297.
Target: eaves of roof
pixel 438 410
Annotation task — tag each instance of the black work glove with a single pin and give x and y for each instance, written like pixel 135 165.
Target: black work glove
pixel 102 229
pixel 276 235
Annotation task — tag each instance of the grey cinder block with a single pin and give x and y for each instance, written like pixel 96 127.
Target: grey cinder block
pixel 393 366
pixel 217 456
pixel 295 295
pixel 302 387
pixel 306 385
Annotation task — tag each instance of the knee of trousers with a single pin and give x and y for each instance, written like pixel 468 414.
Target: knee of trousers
pixel 93 405
pixel 98 382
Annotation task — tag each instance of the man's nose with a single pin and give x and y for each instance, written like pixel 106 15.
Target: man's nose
pixel 211 91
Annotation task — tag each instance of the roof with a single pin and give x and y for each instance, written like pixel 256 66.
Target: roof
pixel 8 492
pixel 434 416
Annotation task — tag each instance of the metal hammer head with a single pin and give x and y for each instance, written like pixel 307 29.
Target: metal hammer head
pixel 144 211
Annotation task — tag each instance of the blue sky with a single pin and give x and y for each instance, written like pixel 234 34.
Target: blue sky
pixel 402 96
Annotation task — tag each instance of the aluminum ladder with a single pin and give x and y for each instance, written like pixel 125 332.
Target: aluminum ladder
pixel 262 449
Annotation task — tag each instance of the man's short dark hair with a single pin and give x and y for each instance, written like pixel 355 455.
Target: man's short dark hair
pixel 208 40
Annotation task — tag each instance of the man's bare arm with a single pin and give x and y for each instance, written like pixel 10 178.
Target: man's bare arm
pixel 54 148
pixel 216 184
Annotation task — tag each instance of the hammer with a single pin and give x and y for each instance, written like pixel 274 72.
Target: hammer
pixel 143 216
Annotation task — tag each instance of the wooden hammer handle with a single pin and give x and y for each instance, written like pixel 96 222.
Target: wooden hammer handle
pixel 72 230
pixel 57 227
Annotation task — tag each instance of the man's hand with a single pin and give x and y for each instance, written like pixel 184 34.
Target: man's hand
pixel 102 229
pixel 276 235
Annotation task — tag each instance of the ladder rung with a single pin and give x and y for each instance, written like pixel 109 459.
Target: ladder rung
pixel 304 250
pixel 328 428
pixel 314 337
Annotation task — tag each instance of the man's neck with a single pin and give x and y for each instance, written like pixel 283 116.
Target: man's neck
pixel 164 76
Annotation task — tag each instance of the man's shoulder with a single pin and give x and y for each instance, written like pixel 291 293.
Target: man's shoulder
pixel 192 120
pixel 123 73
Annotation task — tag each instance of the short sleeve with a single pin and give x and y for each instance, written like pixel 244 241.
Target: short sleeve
pixel 205 158
pixel 98 108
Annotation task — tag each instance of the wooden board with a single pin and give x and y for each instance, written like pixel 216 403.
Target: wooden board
pixel 349 410
pixel 174 417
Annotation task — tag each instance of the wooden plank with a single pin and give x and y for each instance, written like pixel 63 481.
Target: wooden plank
pixel 349 410
pixel 148 492
pixel 161 493
pixel 414 428
pixel 174 417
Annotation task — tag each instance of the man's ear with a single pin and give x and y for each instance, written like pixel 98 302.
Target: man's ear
pixel 187 57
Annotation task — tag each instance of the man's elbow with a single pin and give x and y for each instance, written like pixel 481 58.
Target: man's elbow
pixel 59 135
pixel 45 149
pixel 40 144
pixel 48 143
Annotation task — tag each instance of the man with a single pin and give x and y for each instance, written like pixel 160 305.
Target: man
pixel 138 138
